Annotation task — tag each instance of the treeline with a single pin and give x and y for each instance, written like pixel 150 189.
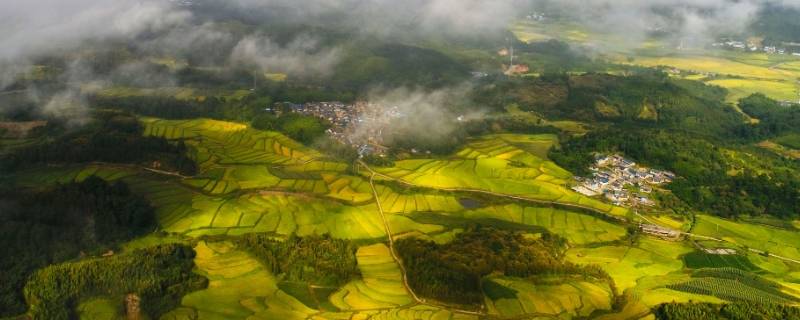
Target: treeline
pixel 159 276
pixel 318 260
pixel 703 171
pixel 111 137
pixel 45 227
pixel 732 311
pixel 453 272
pixel 773 118
pixel 168 107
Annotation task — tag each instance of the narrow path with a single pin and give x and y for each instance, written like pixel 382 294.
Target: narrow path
pixel 399 261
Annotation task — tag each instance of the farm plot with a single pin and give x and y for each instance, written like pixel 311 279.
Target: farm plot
pixel 239 288
pixel 741 88
pixel 626 265
pixel 777 241
pixel 381 285
pixel 228 143
pixel 179 209
pixel 420 312
pixel 564 300
pixel 395 202
pixel 577 228
pixel 347 188
pixel 530 150
pixel 698 260
pixel 735 285
pixel 492 175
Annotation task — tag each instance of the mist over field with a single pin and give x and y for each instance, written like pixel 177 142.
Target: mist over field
pixel 203 30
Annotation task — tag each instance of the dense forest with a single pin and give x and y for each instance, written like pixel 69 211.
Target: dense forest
pixel 733 311
pixel 777 24
pixel 158 275
pixel 38 228
pixel 454 272
pixel 774 119
pixel 647 98
pixel 318 260
pixel 112 137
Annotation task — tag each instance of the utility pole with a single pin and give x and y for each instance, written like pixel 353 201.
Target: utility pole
pixel 511 54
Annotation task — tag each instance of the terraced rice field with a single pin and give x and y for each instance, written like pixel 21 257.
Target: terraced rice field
pixel 563 300
pixel 228 143
pixel 493 175
pixel 626 264
pixel 577 228
pixel 239 288
pixel 395 202
pixel 528 149
pixel 180 209
pixel 381 285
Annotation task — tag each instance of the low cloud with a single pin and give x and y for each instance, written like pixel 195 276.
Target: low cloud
pixel 424 117
pixel 303 56
pixel 391 17
pixel 31 27
pixel 691 22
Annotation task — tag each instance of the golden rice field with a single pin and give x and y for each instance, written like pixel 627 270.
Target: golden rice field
pixel 562 299
pixel 262 182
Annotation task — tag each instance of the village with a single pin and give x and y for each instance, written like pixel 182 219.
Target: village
pixel 755 46
pixel 359 125
pixel 622 181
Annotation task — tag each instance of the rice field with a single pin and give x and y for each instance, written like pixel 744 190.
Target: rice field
pixel 774 240
pixel 493 175
pixel 528 149
pixel 748 74
pixel 381 285
pixel 733 284
pixel 228 143
pixel 239 288
pixel 566 300
pixel 577 228
pixel 628 264
pixel 698 260
pixel 742 88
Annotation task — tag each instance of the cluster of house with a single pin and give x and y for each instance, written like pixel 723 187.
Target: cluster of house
pixel 536 16
pixel 659 231
pixel 753 47
pixel 622 181
pixel 359 125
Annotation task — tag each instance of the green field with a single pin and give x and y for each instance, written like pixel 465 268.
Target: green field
pixel 698 260
pixel 742 73
pixel 252 181
pixel 239 288
pixel 563 300
pixel 627 265
pixel 504 164
pixel 778 241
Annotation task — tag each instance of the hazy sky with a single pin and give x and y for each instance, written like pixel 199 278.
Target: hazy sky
pixel 39 25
